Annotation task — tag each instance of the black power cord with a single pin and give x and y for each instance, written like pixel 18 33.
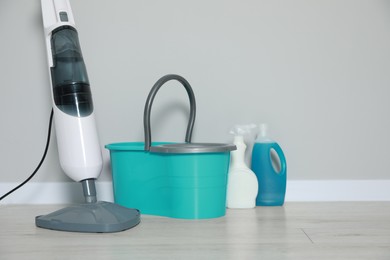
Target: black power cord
pixel 40 163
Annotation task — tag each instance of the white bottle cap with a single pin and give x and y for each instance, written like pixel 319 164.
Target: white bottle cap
pixel 263 134
pixel 263 130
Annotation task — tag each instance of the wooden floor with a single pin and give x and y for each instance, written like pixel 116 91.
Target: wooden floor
pixel 324 230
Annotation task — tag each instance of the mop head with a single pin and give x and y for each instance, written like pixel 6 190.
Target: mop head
pixel 99 217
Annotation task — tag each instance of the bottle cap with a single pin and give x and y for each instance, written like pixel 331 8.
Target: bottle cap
pixel 263 130
pixel 262 135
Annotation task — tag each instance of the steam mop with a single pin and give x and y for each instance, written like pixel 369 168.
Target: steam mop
pixel 77 138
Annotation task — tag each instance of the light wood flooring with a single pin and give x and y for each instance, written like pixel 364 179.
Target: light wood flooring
pixel 322 230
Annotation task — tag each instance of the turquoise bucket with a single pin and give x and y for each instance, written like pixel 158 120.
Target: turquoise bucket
pixel 179 180
pixel 178 185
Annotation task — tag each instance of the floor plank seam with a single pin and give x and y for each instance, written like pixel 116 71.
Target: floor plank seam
pixel 307 236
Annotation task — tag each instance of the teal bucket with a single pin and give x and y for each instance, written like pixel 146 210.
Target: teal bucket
pixel 179 180
pixel 179 185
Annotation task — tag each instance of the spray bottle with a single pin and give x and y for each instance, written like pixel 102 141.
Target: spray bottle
pixel 270 175
pixel 242 182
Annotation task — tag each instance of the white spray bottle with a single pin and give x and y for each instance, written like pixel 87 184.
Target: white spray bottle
pixel 242 185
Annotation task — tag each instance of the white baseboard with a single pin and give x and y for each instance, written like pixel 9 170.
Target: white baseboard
pixel 338 190
pixel 297 190
pixel 53 193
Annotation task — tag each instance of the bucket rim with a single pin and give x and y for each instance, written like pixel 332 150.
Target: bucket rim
pixel 171 147
pixel 130 146
pixel 190 148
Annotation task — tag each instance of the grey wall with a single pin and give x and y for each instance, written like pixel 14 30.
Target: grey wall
pixel 316 71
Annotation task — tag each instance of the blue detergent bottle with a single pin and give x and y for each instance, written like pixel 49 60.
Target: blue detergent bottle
pixel 269 165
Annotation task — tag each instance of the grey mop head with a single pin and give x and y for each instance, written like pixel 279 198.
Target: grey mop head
pixel 98 217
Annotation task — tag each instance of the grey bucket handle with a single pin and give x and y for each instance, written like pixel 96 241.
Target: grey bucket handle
pixel 149 102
